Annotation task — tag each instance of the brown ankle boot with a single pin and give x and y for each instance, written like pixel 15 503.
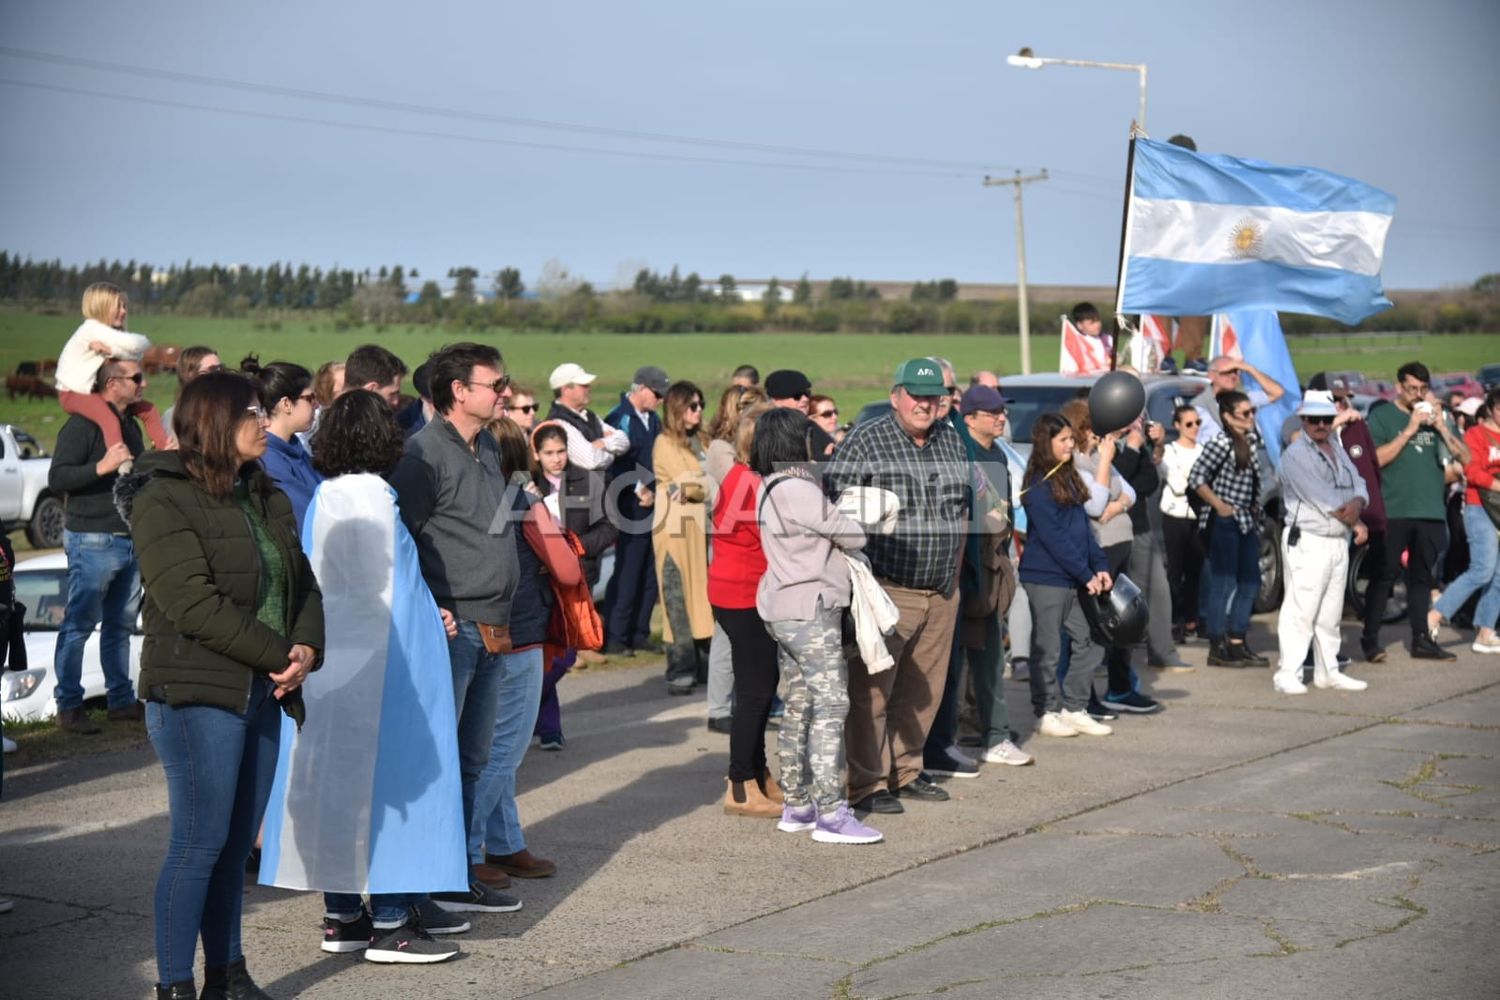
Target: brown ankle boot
pixel 744 798
pixel 771 790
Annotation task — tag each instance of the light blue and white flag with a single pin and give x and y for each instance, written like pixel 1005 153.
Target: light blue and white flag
pixel 1210 233
pixel 366 797
pixel 1256 337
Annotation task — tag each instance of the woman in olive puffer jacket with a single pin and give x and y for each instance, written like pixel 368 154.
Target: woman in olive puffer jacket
pixel 234 623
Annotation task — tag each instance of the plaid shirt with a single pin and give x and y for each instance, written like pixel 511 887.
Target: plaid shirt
pixel 1235 486
pixel 932 483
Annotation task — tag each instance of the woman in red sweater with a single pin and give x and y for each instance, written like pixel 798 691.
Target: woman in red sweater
pixel 1483 475
pixel 733 576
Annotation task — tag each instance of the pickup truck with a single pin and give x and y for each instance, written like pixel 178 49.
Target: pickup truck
pixel 25 501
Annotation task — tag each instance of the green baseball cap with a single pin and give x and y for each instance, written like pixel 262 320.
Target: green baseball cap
pixel 921 377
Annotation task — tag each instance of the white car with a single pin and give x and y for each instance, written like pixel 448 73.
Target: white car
pixel 42 585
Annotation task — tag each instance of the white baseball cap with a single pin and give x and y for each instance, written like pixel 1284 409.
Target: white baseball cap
pixel 570 374
pixel 1317 403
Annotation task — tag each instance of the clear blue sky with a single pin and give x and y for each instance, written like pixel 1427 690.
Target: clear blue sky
pixel 1401 95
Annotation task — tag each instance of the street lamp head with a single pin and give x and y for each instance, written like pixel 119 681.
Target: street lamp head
pixel 1024 60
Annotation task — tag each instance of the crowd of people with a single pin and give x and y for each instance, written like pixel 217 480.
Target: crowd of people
pixel 357 605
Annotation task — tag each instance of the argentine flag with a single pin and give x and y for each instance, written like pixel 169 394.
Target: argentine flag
pixel 1208 233
pixel 366 798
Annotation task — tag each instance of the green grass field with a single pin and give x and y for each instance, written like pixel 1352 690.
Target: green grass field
pixel 853 368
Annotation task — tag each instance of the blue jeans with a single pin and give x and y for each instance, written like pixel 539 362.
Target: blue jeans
pixel 496 826
pixel 476 687
pixel 1234 568
pixel 1483 571
pixel 104 588
pixel 386 909
pixel 219 766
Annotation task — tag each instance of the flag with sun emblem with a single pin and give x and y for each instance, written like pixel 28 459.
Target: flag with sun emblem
pixel 1209 233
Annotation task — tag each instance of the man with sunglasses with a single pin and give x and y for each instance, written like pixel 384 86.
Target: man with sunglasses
pixel 104 581
pixel 632 590
pixel 791 389
pixel 1407 436
pixel 1324 496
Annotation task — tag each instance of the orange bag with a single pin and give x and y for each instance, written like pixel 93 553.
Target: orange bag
pixel 575 622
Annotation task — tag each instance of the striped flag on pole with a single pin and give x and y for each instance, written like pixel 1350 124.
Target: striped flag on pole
pixel 1254 336
pixel 1161 331
pixel 366 798
pixel 1081 355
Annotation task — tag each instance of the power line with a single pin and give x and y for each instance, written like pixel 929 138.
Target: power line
pixel 485 140
pixel 424 109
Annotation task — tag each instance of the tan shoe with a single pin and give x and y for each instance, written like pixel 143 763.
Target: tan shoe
pixel 589 658
pixel 771 789
pixel 491 876
pixel 744 798
pixel 521 864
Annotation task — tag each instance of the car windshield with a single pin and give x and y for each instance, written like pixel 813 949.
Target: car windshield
pixel 1030 401
pixel 45 594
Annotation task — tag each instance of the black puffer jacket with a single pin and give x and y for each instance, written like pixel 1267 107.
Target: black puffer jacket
pixel 201 572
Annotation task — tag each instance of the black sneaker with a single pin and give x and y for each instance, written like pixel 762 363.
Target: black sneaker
pixel 1242 650
pixel 340 937
pixel 1423 648
pixel 878 802
pixel 1134 702
pixel 409 944
pixel 436 920
pixel 944 764
pixel 721 724
pixel 1372 652
pixel 924 788
pixel 479 899
pixel 1098 711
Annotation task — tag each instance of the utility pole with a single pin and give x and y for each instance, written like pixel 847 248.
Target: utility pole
pixel 1016 183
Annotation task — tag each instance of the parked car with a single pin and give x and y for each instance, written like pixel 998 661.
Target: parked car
pixel 1377 387
pixel 42 585
pixel 1033 395
pixel 25 501
pixel 1451 382
pixel 1489 376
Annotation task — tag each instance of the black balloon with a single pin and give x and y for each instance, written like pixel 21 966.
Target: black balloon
pixel 1115 401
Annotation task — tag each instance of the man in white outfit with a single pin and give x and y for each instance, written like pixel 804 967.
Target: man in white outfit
pixel 1323 495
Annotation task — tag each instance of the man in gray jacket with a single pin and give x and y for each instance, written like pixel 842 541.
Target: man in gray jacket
pixel 452 497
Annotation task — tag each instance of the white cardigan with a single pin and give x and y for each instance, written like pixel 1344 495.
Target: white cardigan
pixel 78 366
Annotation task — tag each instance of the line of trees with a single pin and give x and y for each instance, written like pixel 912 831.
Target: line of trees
pixel 557 300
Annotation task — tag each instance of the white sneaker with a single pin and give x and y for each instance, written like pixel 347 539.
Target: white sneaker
pixel 1007 752
pixel 1289 685
pixel 1340 682
pixel 1084 723
pixel 1053 724
pixel 1486 645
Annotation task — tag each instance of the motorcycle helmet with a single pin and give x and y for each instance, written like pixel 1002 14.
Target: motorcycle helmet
pixel 1117 617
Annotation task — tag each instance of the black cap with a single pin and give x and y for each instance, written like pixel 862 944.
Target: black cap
pixel 652 378
pixel 787 384
pixel 421 380
pixel 1323 383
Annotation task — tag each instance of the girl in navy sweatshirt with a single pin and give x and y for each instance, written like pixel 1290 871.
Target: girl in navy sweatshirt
pixel 1060 557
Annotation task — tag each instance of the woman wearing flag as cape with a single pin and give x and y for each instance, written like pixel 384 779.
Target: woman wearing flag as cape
pixel 367 798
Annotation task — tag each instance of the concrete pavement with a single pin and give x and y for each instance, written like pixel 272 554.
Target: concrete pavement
pixel 1238 843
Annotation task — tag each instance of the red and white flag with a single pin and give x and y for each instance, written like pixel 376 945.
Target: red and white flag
pixel 1223 340
pixel 1081 355
pixel 1161 331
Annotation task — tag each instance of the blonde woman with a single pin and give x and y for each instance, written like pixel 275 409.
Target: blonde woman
pixel 679 528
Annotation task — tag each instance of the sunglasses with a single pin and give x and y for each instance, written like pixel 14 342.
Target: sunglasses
pixel 497 387
pixel 825 414
pixel 523 409
pixel 1191 423
pixel 1318 420
pixel 1246 414
pixel 257 411
pixel 695 406
pixel 137 378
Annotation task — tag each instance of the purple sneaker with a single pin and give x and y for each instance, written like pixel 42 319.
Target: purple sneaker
pixel 840 827
pixel 797 820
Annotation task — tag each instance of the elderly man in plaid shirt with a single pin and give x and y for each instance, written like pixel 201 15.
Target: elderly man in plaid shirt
pixel 921 459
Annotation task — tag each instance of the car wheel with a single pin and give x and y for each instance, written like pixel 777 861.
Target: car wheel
pixel 1271 583
pixel 45 529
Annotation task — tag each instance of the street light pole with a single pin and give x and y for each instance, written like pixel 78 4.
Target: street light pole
pixel 1023 310
pixel 1025 60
